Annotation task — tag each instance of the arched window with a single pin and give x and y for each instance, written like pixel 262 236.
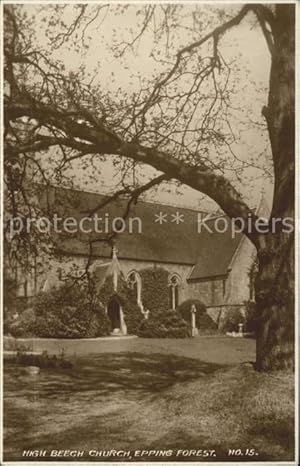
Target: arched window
pixel 135 283
pixel 174 284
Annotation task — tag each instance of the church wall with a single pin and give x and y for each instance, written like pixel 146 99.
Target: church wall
pixel 238 286
pixel 210 292
pixel 66 264
pixel 238 289
pixel 215 294
pixel 180 269
pixel 51 274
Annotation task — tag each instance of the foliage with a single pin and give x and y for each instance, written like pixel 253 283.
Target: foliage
pixel 186 305
pixel 69 311
pixel 203 320
pixel 98 325
pixel 23 325
pixel 155 291
pixel 231 320
pixel 235 316
pixel 11 304
pixel 75 310
pixel 106 291
pixel 127 299
pixel 167 324
pixel 132 312
pixel 9 293
pixel 206 323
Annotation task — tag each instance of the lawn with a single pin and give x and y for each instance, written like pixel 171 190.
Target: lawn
pixel 156 398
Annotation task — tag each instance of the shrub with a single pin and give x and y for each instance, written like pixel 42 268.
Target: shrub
pixel 99 325
pixel 167 324
pixel 155 290
pixel 232 319
pixel 133 316
pixel 12 305
pixel 70 311
pixel 23 326
pixel 203 320
pixel 235 316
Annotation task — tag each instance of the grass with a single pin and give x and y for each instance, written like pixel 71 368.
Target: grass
pixel 221 350
pixel 42 361
pixel 12 344
pixel 133 401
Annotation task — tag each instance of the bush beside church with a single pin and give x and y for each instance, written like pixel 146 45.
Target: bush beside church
pixel 78 309
pixel 70 311
pixel 164 324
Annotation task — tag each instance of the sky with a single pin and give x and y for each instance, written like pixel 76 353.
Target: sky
pixel 244 44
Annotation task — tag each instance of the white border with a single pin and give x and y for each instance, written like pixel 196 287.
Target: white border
pixel 297 232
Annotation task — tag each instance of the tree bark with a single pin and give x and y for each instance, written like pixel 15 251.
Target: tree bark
pixel 275 303
pixel 275 280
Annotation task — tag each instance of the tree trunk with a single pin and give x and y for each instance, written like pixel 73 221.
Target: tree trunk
pixel 275 280
pixel 275 303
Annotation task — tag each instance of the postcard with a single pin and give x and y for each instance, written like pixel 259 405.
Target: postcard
pixel 149 208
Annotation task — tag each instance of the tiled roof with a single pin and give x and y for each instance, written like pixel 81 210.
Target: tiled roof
pixel 214 254
pixel 169 242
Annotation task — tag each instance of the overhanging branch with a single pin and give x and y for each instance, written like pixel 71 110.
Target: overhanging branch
pixel 105 141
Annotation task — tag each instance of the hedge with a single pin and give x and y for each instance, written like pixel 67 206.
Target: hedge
pixel 203 320
pixel 166 324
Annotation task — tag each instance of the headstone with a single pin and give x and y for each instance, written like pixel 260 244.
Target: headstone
pixel 241 329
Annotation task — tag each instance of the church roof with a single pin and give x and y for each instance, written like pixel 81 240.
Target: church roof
pixel 215 254
pixel 174 241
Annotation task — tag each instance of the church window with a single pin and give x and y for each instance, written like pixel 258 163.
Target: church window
pixel 135 283
pixel 224 287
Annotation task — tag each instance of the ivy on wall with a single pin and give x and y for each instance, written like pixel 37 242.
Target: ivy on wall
pixel 77 309
pixel 155 290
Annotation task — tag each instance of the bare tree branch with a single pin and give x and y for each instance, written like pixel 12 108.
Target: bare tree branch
pixel 200 178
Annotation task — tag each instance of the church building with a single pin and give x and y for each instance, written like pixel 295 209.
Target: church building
pixel 204 260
